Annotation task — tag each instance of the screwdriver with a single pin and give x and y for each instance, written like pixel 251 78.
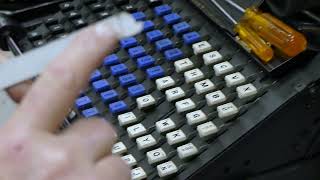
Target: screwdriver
pixel 287 40
pixel 258 46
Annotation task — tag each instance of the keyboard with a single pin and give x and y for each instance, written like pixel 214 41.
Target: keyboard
pixel 179 94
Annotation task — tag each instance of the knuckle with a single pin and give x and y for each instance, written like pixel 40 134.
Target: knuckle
pixel 121 165
pixel 102 127
pixel 63 74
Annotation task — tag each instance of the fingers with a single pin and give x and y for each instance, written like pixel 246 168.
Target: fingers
pixel 113 167
pixel 95 137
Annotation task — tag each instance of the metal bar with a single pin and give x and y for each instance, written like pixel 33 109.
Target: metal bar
pixel 224 11
pixel 235 5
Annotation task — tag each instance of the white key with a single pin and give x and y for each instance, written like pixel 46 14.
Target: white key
pixel 212 57
pixel 156 155
pixel 130 160
pixel 222 68
pixel 136 130
pixel 174 94
pixel 204 86
pixel 145 101
pixel 127 118
pixel 176 137
pixel 146 141
pixel 166 169
pixel 185 105
pixel 196 117
pixel 165 82
pixel 183 65
pixel 165 125
pixel 119 148
pixel 246 91
pixel 193 75
pixel 207 129
pixel 138 174
pixel 227 110
pixel 187 151
pixel 215 98
pixel 201 47
pixel 234 79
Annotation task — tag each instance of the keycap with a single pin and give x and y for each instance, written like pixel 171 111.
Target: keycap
pixel 234 79
pixel 165 82
pixel 247 90
pixel 172 18
pixel 101 85
pixel 216 97
pixel 83 102
pixel 162 10
pixel 136 90
pixel 128 42
pixel 119 148
pixel 146 141
pixel 186 151
pixel 109 96
pixel 136 52
pixel 79 23
pixel 207 129
pixel 96 75
pixel 227 110
pixel 130 160
pixel 153 3
pixel 173 54
pixel 204 86
pixel 34 35
pixel 148 26
pixel 193 75
pixel 154 35
pixel 118 107
pixel 223 68
pixel 129 8
pixel 127 80
pixel 181 28
pixel 212 57
pixel 88 113
pixel 201 47
pixel 183 65
pixel 164 44
pixel 176 137
pixel 145 101
pixel 119 69
pixel 185 105
pixel 127 118
pixel 155 72
pixel 174 94
pixel 167 169
pixel 165 125
pixel 139 16
pixel 196 117
pixel 191 38
pixel 156 156
pixel 136 130
pixel 145 62
pixel 73 15
pixel 138 174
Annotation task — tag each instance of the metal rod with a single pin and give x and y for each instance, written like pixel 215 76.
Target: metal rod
pixel 14 48
pixel 235 5
pixel 224 11
pixel 312 15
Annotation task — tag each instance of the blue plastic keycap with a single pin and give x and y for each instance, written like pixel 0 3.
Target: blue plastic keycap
pixel 137 90
pixel 109 96
pixel 83 102
pixel 172 18
pixel 119 69
pixel 139 16
pixel 145 61
pixel 191 38
pixel 127 80
pixel 148 26
pixel 155 72
pixel 181 28
pixel 154 35
pixel 96 75
pixel 164 44
pixel 88 113
pixel 128 42
pixel 118 107
pixel 101 85
pixel 173 54
pixel 137 52
pixel 162 10
pixel 111 60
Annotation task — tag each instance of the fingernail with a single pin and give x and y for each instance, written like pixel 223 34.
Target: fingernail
pixel 122 25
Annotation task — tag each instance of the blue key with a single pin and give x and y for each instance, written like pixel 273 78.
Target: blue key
pixel 155 72
pixel 96 75
pixel 83 102
pixel 119 69
pixel 154 35
pixel 128 42
pixel 139 16
pixel 127 79
pixel 164 44
pixel 137 90
pixel 181 28
pixel 109 96
pixel 101 85
pixel 191 38
pixel 137 52
pixel 88 113
pixel 118 107
pixel 145 62
pixel 172 18
pixel 173 54
pixel 111 60
pixel 148 26
pixel 162 10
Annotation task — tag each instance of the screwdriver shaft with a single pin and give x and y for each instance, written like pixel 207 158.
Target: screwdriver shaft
pixel 235 5
pixel 224 11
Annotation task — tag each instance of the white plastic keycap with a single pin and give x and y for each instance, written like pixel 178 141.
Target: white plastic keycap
pixel 165 82
pixel 156 156
pixel 204 86
pixel 145 101
pixel 183 65
pixel 234 79
pixel 136 130
pixel 186 151
pixel 174 94
pixel 207 129
pixel 119 148
pixel 223 68
pixel 166 169
pixel 127 118
pixel 196 117
pixel 227 110
pixel 215 98
pixel 212 58
pixel 146 141
pixel 193 75
pixel 175 137
pixel 201 47
pixel 165 125
pixel 247 90
pixel 185 105
pixel 130 160
pixel 138 174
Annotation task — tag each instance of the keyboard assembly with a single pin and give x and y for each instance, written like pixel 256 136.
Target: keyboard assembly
pixel 187 101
